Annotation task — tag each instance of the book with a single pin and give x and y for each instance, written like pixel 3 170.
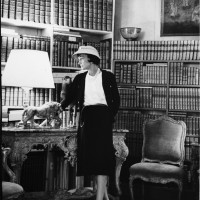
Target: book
pixel 86 14
pixel 80 13
pixel 6 9
pixel 12 12
pixel 42 11
pixel 4 40
pixel 48 11
pixel 9 46
pixel 66 12
pixel 90 15
pixel 100 14
pixel 19 7
pixel 95 14
pixel 25 14
pixel 37 11
pixel 31 11
pixel 75 13
pixel 56 12
pixel 109 14
pixel 70 22
pixel 61 12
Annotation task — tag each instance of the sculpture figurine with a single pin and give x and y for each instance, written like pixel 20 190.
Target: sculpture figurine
pixel 50 111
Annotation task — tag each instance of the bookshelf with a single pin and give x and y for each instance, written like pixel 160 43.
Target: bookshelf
pixel 155 80
pixel 58 27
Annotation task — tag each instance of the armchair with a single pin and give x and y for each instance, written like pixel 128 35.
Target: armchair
pixel 162 153
pixel 10 190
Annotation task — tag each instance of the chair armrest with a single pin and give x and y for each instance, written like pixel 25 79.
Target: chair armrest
pixel 11 174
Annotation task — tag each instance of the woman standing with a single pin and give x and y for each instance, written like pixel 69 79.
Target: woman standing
pixel 95 92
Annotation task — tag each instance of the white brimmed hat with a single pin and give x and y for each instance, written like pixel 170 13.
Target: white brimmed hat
pixel 86 50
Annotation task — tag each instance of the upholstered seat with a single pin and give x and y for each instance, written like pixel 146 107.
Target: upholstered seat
pixel 10 190
pixel 162 153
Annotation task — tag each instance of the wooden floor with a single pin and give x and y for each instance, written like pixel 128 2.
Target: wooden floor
pixel 151 192
pixel 155 192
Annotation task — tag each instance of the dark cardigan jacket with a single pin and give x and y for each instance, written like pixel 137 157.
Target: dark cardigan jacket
pixel 75 94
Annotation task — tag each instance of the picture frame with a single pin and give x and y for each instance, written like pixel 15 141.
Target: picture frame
pixel 180 18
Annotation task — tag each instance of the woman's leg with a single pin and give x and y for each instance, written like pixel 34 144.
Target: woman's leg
pixel 101 187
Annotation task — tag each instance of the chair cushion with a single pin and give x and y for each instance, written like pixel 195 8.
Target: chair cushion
pixel 11 189
pixel 156 172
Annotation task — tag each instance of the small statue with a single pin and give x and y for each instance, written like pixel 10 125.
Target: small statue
pixel 49 110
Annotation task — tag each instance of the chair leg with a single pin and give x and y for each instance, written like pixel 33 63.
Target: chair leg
pixel 142 190
pixel 179 191
pixel 131 187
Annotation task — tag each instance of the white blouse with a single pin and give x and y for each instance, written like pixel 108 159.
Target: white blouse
pixel 94 93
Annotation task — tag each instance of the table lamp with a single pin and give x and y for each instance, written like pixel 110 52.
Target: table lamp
pixel 28 69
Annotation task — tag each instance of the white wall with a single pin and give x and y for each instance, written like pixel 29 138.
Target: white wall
pixel 145 14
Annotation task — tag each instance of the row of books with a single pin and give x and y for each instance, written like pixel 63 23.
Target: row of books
pixel 132 120
pixel 192 123
pixel 56 92
pixel 184 98
pixel 63 49
pixel 104 49
pixel 155 73
pixel 8 43
pixel 70 117
pixel 14 96
pixel 157 50
pixel 38 11
pixel 152 97
pixel 184 74
pixel 89 14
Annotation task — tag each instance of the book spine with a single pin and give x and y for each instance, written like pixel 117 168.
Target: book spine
pixel 6 8
pixel 4 44
pixel 25 13
pixel 95 14
pixel 56 11
pixel 100 14
pixel 66 12
pixel 109 14
pixel 75 13
pixel 12 10
pixel 104 15
pixel 42 11
pixel 61 12
pixel 48 11
pixel 86 14
pixel 9 46
pixel 90 15
pixel 70 13
pixel 3 96
pixel 2 7
pixel 19 7
pixel 31 16
pixel 37 11
pixel 80 13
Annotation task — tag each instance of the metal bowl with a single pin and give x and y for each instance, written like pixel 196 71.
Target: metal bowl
pixel 130 33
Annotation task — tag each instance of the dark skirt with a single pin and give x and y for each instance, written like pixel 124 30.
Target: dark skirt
pixel 95 154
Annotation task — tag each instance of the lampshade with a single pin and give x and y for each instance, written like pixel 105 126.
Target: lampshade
pixel 28 68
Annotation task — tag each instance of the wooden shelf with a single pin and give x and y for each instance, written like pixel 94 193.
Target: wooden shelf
pixel 21 23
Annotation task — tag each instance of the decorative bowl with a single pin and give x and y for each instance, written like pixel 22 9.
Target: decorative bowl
pixel 130 33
